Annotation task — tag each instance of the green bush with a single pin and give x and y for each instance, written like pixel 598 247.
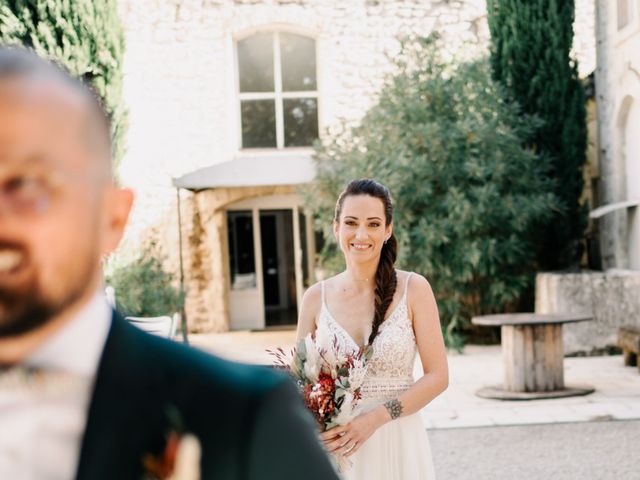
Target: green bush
pixel 144 288
pixel 467 193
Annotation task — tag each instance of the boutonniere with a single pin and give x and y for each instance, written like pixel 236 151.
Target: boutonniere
pixel 180 459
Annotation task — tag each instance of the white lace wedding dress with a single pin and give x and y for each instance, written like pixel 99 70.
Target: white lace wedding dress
pixel 399 450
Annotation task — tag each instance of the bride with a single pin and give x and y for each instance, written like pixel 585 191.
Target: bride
pixel 372 303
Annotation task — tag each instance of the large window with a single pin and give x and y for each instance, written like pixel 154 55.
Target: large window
pixel 278 90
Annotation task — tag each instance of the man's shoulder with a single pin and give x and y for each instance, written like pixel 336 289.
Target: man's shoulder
pixel 178 365
pixel 147 386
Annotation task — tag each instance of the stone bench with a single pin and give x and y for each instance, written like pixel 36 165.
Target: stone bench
pixel 629 342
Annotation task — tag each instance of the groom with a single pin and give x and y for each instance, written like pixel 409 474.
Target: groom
pixel 82 393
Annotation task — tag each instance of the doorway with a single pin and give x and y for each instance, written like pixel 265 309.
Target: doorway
pixel 271 255
pixel 278 267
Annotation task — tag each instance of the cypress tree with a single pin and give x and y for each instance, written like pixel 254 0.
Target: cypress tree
pixel 530 55
pixel 83 35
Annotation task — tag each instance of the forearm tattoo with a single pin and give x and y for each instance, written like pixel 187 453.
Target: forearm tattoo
pixel 394 407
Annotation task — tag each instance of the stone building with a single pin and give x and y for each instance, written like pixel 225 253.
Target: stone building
pixel 618 103
pixel 225 98
pixel 610 296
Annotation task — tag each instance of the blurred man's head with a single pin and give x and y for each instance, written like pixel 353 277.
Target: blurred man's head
pixel 60 212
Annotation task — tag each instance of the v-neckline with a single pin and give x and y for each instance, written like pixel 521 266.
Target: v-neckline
pixel 344 330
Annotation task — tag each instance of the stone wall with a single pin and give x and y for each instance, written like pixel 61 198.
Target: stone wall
pixel 617 89
pixel 584 38
pixel 179 71
pixel 611 297
pixel 180 90
pixel 206 255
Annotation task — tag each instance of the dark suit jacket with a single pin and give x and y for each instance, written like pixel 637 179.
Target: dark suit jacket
pixel 249 420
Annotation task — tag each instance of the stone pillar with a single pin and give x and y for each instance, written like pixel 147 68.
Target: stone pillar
pixel 204 250
pixel 612 226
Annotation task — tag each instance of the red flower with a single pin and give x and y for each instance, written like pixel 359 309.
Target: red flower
pixel 319 398
pixel 162 467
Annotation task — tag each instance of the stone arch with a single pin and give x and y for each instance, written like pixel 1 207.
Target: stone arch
pixel 629 101
pixel 621 155
pixel 276 26
pixel 218 199
pixel 628 146
pixel 302 22
pixel 208 270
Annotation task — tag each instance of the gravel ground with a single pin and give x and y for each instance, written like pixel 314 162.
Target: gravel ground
pixel 588 451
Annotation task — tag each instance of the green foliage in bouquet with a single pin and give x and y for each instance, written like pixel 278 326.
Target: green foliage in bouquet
pixel 83 35
pixel 144 288
pixel 467 193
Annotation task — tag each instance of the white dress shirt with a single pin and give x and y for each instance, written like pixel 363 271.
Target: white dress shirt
pixel 42 420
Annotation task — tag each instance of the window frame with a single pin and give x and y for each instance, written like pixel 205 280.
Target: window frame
pixel 278 95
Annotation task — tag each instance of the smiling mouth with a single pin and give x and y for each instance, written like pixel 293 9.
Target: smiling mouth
pixel 359 247
pixel 10 260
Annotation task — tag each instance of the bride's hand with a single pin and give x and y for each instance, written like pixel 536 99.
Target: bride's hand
pixel 347 439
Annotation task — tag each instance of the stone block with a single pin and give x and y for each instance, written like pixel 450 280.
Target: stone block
pixel 611 297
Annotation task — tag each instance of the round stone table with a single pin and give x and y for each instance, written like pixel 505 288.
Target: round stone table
pixel 533 354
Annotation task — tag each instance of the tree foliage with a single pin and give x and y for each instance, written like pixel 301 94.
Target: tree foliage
pixel 467 193
pixel 144 288
pixel 83 35
pixel 530 55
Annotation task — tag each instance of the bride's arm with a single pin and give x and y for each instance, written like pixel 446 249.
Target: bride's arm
pixel 426 323
pixel 433 355
pixel 309 310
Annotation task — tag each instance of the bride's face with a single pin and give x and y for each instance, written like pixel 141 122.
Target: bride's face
pixel 361 229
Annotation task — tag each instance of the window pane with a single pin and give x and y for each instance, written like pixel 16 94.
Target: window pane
pixel 258 123
pixel 298 57
pixel 300 122
pixel 255 63
pixel 241 253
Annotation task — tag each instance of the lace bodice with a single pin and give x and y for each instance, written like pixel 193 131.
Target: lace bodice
pixel 390 369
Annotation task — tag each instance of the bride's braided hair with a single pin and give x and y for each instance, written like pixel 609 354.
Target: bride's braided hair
pixel 386 277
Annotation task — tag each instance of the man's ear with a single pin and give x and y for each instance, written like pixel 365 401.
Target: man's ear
pixel 118 203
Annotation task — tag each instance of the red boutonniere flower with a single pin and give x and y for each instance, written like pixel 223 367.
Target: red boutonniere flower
pixel 180 459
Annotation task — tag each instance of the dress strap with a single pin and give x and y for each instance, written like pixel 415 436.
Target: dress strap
pixel 406 286
pixel 322 292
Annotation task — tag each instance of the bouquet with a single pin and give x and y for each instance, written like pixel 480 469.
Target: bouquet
pixel 328 378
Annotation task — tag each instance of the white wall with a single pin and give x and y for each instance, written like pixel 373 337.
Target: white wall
pixel 180 73
pixel 618 97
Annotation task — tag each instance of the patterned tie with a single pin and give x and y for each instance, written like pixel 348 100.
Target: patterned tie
pixel 24 379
